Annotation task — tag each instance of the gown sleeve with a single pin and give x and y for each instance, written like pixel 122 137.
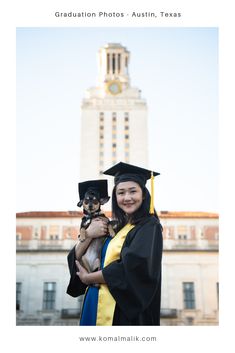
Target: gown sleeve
pixel 75 287
pixel 134 279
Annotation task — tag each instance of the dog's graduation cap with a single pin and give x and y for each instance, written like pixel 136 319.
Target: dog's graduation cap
pixel 99 187
pixel 128 172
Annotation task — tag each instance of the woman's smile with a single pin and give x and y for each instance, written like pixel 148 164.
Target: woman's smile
pixel 129 196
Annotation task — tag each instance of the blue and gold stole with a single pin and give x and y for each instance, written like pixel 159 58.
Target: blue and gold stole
pixel 106 302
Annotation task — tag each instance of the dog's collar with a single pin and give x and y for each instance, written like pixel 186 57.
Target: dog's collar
pixel 91 215
pixel 88 218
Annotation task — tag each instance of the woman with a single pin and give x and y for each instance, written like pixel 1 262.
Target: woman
pixel 130 278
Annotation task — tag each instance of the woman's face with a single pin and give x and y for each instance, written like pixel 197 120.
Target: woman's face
pixel 129 196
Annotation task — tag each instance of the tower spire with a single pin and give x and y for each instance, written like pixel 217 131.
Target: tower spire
pixel 113 64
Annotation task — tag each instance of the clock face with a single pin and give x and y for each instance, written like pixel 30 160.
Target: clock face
pixel 114 87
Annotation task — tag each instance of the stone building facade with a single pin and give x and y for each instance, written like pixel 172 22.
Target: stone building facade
pixel 190 285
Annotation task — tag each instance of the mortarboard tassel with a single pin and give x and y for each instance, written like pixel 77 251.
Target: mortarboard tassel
pixel 151 211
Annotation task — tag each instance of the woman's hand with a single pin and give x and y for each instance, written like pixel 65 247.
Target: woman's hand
pixel 82 273
pixel 89 278
pixel 97 228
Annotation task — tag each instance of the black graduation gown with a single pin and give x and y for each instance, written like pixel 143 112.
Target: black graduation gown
pixel 135 279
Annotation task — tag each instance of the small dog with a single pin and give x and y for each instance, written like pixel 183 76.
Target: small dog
pixel 89 249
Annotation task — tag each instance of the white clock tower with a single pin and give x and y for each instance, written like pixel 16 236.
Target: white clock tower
pixel 114 117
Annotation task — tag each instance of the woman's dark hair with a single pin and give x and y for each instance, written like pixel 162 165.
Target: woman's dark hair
pixel 140 214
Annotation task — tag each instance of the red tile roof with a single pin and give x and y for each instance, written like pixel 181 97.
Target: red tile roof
pixel 187 214
pixel 66 214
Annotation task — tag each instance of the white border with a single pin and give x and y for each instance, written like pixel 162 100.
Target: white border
pixel 61 339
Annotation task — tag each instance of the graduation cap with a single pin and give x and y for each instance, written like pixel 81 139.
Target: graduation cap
pixel 128 172
pixel 99 187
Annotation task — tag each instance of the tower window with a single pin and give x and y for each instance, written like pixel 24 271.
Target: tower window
pixel 126 65
pixel 119 63
pixel 101 138
pixel 127 157
pixel 114 144
pixel 126 136
pixel 113 62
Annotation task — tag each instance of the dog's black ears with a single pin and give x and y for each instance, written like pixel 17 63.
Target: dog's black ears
pixel 79 204
pixel 104 200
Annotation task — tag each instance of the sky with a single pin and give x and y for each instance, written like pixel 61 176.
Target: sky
pixel 176 68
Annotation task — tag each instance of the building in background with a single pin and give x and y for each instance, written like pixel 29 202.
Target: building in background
pixel 190 283
pixel 113 117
